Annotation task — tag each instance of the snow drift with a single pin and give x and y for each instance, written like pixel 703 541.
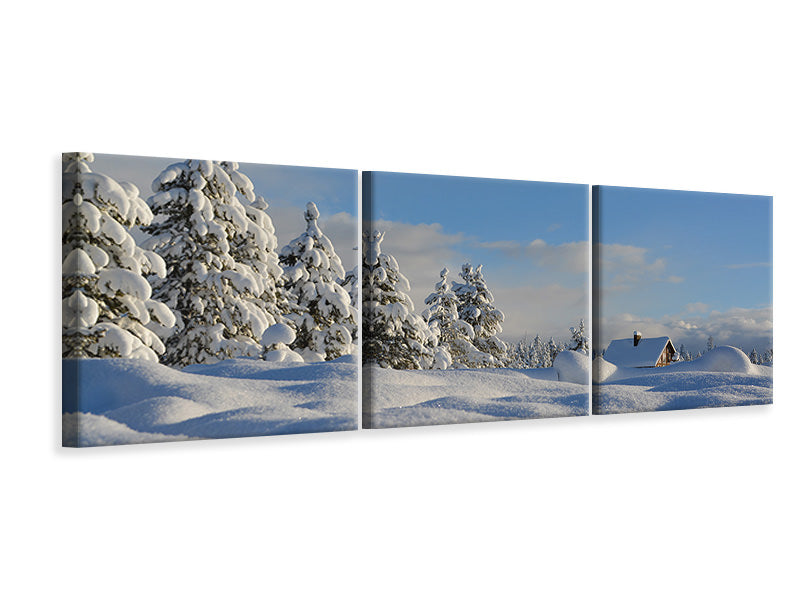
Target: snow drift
pixel 408 398
pixel 126 401
pixel 723 376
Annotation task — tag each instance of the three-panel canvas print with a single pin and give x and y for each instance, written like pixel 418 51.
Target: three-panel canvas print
pixel 213 299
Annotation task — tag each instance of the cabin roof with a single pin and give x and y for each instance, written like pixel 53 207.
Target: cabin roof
pixel 646 354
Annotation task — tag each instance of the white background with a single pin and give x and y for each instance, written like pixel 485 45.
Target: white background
pixel 684 95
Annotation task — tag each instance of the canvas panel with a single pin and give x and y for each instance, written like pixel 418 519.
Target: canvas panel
pixel 476 300
pixel 682 300
pixel 206 299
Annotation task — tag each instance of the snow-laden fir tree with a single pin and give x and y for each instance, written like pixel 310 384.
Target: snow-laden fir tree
pixel 255 247
pixel 475 307
pixel 200 224
pixel 106 305
pixel 394 335
pixel 580 341
pixel 755 357
pixel 453 333
pixel 321 309
pixel 710 343
pixel 549 353
pixel 524 354
pixel 767 358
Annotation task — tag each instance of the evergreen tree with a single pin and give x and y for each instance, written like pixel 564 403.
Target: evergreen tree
pixel 200 225
pixel 551 351
pixel 580 341
pixel 526 354
pixel 106 305
pixel 453 333
pixel 755 357
pixel 476 308
pixel 321 309
pixel 710 343
pixel 394 335
pixel 254 248
pixel 683 354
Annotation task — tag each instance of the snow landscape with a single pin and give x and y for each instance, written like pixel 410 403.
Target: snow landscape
pixel 408 398
pixel 724 376
pixel 180 317
pixel 684 283
pixel 439 349
pixel 128 401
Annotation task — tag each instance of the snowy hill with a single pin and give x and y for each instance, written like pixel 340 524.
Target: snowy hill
pixel 723 376
pixel 407 398
pixel 126 401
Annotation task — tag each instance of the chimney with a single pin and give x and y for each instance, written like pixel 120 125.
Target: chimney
pixel 637 336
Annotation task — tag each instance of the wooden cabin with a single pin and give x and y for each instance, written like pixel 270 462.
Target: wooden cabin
pixel 640 352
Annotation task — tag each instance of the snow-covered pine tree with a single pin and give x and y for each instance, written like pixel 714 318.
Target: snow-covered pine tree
pixel 394 335
pixel 322 312
pixel 710 343
pixel 551 351
pixel 106 305
pixel 255 247
pixel 755 357
pixel 198 217
pixel 538 351
pixel 767 359
pixel 580 341
pixel 453 333
pixel 475 307
pixel 683 355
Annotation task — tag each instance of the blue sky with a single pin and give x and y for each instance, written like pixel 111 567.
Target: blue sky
pixel 686 264
pixel 531 237
pixel 287 190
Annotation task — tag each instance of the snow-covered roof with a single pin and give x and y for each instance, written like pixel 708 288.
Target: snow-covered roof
pixel 645 354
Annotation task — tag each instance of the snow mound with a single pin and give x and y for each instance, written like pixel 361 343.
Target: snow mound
pixel 280 333
pixel 723 359
pixel 160 410
pixel 602 370
pixel 574 367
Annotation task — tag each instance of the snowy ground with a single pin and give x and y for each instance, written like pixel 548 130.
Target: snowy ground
pixel 128 401
pixel 411 398
pixel 722 377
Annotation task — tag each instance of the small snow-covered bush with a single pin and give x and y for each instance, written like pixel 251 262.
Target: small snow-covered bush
pixel 276 341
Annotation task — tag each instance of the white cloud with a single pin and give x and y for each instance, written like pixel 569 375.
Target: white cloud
pixel 745 328
pixel 573 257
pixel 696 307
pixel 622 267
pixel 547 311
